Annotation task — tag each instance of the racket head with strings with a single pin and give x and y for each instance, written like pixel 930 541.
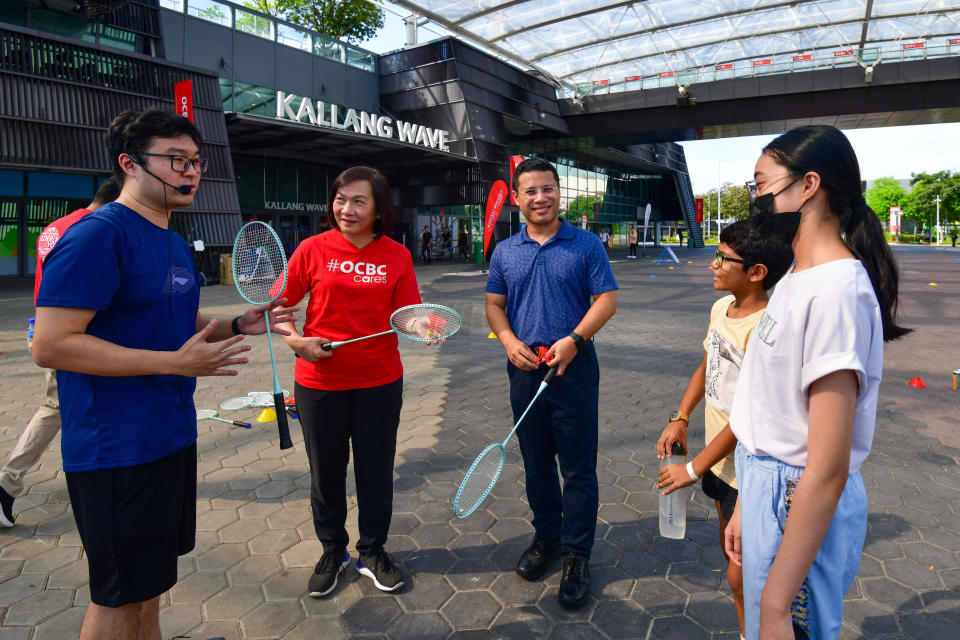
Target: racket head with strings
pixel 262 399
pixel 232 404
pixel 480 479
pixel 259 263
pixel 426 322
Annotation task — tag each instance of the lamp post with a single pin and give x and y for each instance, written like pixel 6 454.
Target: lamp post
pixel 938 219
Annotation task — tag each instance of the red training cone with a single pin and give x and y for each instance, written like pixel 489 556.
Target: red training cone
pixel 917 383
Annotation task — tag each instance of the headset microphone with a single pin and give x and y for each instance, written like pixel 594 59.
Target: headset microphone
pixel 184 189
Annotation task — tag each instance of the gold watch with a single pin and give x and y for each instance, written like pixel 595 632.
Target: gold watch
pixel 679 415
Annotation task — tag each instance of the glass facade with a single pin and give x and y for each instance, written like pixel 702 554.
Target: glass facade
pixel 228 14
pixel 29 201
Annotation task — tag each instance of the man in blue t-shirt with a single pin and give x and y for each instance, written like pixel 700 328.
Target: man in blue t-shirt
pixel 551 287
pixel 117 316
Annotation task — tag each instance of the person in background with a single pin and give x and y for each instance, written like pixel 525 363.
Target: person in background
pixel 447 238
pixel 426 245
pixel 805 406
pixel 634 240
pixel 45 423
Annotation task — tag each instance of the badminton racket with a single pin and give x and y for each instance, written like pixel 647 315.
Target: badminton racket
pixel 210 414
pixel 260 273
pixel 486 469
pixel 416 322
pixel 256 399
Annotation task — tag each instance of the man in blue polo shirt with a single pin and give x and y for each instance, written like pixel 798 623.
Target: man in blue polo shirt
pixel 539 293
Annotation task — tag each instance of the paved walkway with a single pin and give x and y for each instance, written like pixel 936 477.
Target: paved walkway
pixel 255 542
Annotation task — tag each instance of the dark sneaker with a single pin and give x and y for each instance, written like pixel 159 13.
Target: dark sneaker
pixel 6 508
pixel 380 568
pixel 575 583
pixel 534 561
pixel 325 574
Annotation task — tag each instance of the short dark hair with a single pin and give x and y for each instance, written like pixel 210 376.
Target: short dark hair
pixel 132 130
pixel 533 164
pixel 108 191
pixel 382 197
pixel 755 248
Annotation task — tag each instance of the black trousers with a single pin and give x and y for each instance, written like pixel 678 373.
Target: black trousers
pixel 561 430
pixel 331 421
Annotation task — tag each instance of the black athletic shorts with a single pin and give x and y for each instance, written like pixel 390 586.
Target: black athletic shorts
pixel 724 494
pixel 134 522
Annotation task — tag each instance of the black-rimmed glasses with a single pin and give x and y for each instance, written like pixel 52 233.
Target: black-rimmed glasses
pixel 180 164
pixel 722 257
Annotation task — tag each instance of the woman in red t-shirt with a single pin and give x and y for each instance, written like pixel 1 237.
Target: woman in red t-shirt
pixel 356 277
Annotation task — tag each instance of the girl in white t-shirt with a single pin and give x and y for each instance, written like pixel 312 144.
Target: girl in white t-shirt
pixel 805 404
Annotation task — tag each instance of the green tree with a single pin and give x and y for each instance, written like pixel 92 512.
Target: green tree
pixel 921 203
pixel 350 20
pixel 586 204
pixel 883 194
pixel 734 202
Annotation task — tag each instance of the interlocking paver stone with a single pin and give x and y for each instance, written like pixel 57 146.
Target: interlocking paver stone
pixel 256 547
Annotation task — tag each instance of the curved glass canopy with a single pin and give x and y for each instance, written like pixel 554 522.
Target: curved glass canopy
pixel 590 42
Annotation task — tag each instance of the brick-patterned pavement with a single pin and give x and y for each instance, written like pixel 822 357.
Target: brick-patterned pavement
pixel 255 542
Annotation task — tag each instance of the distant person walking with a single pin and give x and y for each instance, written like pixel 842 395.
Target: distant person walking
pixel 426 245
pixel 953 237
pixel 605 239
pixel 634 237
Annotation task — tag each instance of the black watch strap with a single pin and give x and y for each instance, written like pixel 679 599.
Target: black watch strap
pixel 577 340
pixel 235 326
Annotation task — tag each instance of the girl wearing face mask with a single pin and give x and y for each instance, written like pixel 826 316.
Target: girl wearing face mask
pixel 806 401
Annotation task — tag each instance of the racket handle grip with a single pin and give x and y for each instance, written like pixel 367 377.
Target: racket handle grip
pixel 278 404
pixel 327 346
pixel 245 425
pixel 550 373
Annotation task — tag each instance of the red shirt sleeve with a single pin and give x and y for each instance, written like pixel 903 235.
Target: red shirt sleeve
pixel 299 273
pixel 407 291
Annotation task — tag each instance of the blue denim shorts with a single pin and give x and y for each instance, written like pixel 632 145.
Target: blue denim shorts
pixel 766 488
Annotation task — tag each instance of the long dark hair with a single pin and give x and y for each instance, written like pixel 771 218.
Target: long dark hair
pixel 826 151
pixel 382 197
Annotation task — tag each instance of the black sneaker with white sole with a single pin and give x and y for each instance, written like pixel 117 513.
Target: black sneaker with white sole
pixel 380 568
pixel 6 509
pixel 325 574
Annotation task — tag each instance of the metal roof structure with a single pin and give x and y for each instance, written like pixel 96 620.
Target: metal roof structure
pixel 585 42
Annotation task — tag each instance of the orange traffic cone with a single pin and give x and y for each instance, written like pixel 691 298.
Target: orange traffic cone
pixel 917 383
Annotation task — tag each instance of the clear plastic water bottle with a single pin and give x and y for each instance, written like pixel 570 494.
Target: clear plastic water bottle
pixel 30 328
pixel 673 507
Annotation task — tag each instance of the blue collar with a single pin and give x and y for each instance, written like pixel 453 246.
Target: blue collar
pixel 565 232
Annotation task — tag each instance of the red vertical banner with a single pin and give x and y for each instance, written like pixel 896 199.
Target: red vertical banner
pixel 183 98
pixel 498 195
pixel 698 210
pixel 514 163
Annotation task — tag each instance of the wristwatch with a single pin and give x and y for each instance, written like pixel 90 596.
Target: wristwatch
pixel 577 340
pixel 679 415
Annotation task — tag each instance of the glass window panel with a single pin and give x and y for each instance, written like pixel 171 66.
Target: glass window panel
pixel 254 24
pixel 211 12
pixel 293 37
pixel 118 38
pixel 329 49
pixel 173 5
pixel 361 60
pixel 13 13
pixel 226 93
pixel 255 100
pixel 76 27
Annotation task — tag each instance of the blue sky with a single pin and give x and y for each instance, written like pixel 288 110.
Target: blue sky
pixel 888 151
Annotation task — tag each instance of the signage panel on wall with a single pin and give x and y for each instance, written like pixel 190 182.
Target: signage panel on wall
pixel 328 114
pixel 183 98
